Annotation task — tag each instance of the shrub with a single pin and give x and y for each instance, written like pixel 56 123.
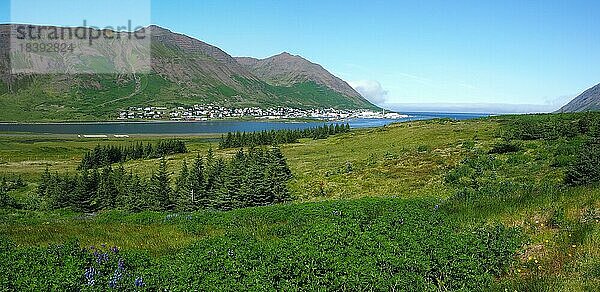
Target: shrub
pixel 5 199
pixel 423 148
pixel 505 147
pixel 553 126
pixel 473 171
pixel 468 145
pixel 586 169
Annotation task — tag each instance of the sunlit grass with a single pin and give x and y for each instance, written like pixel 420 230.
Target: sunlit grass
pixel 409 160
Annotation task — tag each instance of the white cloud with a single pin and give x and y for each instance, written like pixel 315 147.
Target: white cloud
pixel 490 108
pixel 371 90
pixel 559 101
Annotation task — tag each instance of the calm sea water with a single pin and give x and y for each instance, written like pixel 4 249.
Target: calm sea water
pixel 208 127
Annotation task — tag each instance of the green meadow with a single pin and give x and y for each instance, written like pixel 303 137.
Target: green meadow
pixel 437 205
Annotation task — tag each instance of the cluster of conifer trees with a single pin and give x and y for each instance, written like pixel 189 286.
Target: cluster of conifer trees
pixel 276 137
pixel 102 156
pixel 257 177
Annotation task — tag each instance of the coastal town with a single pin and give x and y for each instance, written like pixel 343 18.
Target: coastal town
pixel 214 112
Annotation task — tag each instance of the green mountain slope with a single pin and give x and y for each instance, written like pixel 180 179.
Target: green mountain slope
pixel 185 71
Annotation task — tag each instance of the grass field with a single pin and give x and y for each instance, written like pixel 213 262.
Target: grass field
pixel 503 219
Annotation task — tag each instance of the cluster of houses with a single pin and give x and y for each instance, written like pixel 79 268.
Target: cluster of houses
pixel 210 112
pixel 143 113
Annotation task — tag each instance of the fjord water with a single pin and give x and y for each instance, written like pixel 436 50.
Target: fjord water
pixel 207 127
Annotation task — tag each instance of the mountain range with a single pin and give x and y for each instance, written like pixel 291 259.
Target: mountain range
pixel 587 101
pixel 184 71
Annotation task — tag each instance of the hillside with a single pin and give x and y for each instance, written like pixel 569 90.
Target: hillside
pixel 587 101
pixel 484 204
pixel 184 71
pixel 288 70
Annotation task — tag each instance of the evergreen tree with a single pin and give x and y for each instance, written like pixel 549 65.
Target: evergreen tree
pixel 60 191
pixel 121 180
pixel 149 151
pixel 184 196
pixel 228 196
pixel 92 189
pixel 210 178
pixel 107 191
pixel 278 174
pixel 161 188
pixel 85 192
pixel 137 199
pixel 255 190
pixel 197 184
pixel 214 181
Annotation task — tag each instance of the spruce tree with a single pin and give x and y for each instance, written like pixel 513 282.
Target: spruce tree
pixel 92 190
pixel 278 175
pixel 228 196
pixel 121 180
pixel 83 197
pixel 197 184
pixel 61 191
pixel 255 190
pixel 161 188
pixel 107 190
pixel 211 175
pixel 184 200
pixel 214 181
pixel 137 198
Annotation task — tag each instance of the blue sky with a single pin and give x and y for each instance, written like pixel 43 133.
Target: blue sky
pixel 441 52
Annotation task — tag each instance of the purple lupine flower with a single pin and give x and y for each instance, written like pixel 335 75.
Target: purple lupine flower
pixel 139 282
pixel 97 256
pixel 171 216
pixel 89 276
pixel 114 249
pixel 112 284
pixel 437 207
pixel 117 276
pixel 121 265
pixel 101 257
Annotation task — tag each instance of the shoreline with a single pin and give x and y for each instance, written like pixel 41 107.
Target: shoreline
pixel 153 122
pixel 283 121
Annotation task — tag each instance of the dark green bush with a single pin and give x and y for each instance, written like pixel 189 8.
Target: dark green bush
pixel 5 199
pixel 423 148
pixel 552 126
pixel 586 168
pixel 474 171
pixel 505 147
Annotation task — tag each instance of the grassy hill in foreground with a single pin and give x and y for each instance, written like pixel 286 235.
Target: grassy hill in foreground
pixel 478 205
